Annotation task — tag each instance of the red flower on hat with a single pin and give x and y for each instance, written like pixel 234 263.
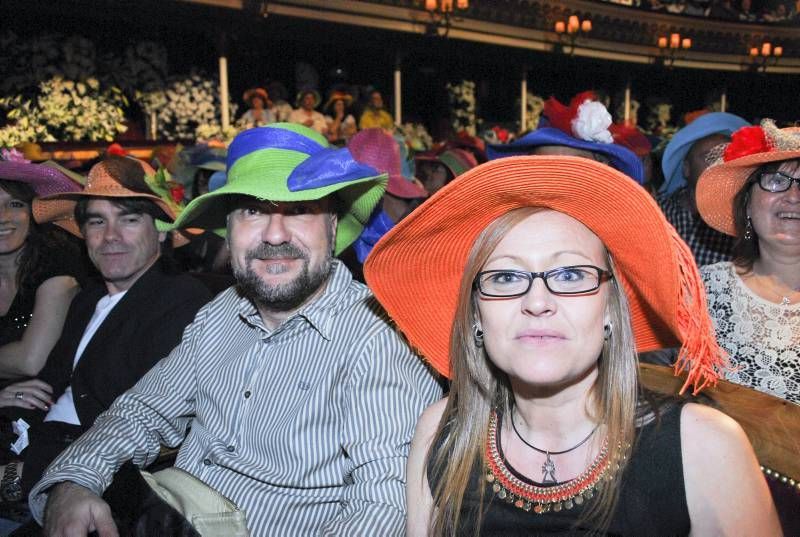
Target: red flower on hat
pixel 116 150
pixel 502 134
pixel 746 141
pixel 177 193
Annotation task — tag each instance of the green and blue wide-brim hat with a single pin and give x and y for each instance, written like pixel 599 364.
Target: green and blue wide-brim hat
pixel 285 162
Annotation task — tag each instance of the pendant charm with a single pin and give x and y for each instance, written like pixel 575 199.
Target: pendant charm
pixel 785 301
pixel 549 471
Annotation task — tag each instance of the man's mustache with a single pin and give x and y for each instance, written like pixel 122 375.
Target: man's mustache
pixel 273 251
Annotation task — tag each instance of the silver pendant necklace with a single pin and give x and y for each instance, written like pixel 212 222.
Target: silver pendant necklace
pixel 549 466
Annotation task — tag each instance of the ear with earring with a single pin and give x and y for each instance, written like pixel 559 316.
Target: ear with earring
pixel 748 229
pixel 477 334
pixel 608 330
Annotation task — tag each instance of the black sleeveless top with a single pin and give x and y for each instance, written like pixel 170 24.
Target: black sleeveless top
pixel 652 498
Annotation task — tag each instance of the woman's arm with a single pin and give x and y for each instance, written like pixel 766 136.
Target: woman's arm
pixel 725 490
pixel 419 501
pixel 26 357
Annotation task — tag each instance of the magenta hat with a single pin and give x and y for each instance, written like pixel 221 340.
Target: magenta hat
pixel 45 178
pixel 376 148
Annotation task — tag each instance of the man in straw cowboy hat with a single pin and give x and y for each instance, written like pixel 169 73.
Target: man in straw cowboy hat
pixel 115 330
pixel 301 398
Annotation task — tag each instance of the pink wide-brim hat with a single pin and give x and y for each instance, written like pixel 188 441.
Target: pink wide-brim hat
pixel 46 178
pixel 378 149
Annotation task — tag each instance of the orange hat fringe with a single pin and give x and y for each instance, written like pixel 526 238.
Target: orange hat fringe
pixel 700 354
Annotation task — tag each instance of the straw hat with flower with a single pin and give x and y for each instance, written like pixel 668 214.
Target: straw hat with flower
pixel 108 179
pixel 735 162
pixel 415 270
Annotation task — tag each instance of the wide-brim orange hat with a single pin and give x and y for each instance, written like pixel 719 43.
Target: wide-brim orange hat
pixel 415 270
pixel 749 148
pixel 59 208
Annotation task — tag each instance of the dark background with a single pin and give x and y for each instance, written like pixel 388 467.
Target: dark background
pixel 260 50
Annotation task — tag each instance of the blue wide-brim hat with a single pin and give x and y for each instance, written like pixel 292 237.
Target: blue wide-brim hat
pixel 684 139
pixel 620 158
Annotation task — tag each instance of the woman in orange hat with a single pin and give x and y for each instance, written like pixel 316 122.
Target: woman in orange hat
pixel 259 112
pixel 752 192
pixel 532 282
pixel 341 124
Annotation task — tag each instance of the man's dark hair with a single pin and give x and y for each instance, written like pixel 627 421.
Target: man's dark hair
pixel 127 205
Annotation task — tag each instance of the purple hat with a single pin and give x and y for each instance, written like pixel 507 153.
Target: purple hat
pixel 376 148
pixel 621 158
pixel 45 179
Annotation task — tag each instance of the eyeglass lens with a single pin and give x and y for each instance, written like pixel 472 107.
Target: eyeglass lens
pixel 567 280
pixel 776 181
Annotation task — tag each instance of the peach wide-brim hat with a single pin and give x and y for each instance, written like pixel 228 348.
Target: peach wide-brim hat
pixel 749 148
pixel 59 208
pixel 415 270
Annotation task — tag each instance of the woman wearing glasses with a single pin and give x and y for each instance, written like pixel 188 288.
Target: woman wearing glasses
pixel 753 193
pixel 532 282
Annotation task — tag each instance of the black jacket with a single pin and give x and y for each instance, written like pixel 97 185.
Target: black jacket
pixel 141 329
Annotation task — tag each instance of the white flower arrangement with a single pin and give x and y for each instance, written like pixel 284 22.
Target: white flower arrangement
pixel 592 123
pixel 416 136
pixel 462 106
pixel 208 133
pixel 191 101
pixel 65 110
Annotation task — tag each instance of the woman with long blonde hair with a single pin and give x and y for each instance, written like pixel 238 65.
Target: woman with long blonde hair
pixel 532 282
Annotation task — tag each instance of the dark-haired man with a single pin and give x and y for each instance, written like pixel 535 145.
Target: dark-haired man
pixel 116 329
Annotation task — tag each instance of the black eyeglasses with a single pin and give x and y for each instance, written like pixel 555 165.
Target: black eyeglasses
pixel 572 280
pixel 776 181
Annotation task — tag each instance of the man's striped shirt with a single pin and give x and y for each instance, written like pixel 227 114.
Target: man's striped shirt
pixel 306 428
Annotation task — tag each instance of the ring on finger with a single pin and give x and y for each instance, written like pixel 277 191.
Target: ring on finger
pixel 18 395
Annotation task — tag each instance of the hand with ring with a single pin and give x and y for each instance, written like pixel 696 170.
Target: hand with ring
pixel 31 394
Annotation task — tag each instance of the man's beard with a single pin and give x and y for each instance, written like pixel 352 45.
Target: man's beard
pixel 283 297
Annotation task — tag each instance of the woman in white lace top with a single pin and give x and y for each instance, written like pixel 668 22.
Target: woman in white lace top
pixel 753 193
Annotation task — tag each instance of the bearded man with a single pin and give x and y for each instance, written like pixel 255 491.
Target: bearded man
pixel 301 398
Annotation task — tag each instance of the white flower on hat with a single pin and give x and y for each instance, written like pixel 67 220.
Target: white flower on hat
pixel 592 122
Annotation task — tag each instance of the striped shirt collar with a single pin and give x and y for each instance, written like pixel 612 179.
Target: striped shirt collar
pixel 319 313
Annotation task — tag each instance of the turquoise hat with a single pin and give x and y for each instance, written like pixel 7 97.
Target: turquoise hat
pixel 286 162
pixel 684 139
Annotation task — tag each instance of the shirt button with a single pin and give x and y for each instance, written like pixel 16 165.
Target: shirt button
pixel 231 448
pixel 207 462
pixel 247 394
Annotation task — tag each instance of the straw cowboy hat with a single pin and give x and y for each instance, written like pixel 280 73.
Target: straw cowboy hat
pixel 749 148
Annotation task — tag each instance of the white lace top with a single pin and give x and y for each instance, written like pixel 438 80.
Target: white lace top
pixel 762 338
